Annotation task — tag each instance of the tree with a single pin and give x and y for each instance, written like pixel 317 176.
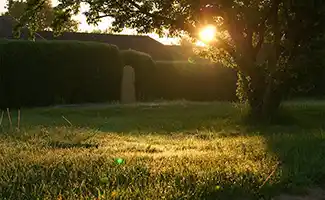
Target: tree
pixel 261 39
pixel 104 31
pixel 42 20
pixel 310 77
pixel 191 50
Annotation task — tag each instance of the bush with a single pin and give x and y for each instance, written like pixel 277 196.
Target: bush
pixel 195 82
pixel 144 68
pixel 49 72
pixel 180 80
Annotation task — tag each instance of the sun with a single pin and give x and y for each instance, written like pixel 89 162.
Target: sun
pixel 208 33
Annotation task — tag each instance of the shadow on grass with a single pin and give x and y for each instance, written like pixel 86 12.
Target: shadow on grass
pixel 157 119
pixel 297 138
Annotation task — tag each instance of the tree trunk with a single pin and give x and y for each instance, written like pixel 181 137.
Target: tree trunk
pixel 271 100
pixel 261 92
pixel 264 98
pixel 264 94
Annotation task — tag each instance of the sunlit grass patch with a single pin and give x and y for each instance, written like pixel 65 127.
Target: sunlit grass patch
pixel 172 151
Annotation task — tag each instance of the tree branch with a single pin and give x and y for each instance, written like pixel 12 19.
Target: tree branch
pixel 31 8
pixel 260 41
pixel 260 28
pixel 226 46
pixel 276 28
pixel 144 11
pixel 235 33
pixel 103 16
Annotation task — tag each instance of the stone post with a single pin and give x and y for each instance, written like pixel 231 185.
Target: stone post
pixel 128 86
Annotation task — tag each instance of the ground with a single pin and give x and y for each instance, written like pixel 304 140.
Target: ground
pixel 175 150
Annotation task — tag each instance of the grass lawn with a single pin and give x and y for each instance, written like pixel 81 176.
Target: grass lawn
pixel 177 150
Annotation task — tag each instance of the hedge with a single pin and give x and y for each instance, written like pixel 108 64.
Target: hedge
pixel 195 82
pixel 50 72
pixel 171 80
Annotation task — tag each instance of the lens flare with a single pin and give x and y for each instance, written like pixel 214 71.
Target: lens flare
pixel 208 33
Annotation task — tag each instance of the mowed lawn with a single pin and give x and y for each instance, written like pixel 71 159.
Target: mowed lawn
pixel 176 150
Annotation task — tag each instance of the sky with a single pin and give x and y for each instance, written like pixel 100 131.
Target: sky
pixel 103 25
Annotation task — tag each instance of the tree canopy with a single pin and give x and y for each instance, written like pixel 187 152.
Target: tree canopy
pixel 261 39
pixel 41 21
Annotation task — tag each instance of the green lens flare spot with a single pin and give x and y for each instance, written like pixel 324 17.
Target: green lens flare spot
pixel 119 161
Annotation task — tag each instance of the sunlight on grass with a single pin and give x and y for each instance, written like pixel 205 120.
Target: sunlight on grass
pixel 169 156
pixel 159 150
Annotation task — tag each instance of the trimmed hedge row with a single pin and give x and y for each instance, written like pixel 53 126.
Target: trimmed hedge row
pixel 180 80
pixel 44 73
pixel 195 82
pixel 50 72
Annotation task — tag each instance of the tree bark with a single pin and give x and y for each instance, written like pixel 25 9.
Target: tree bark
pixel 263 94
pixel 265 99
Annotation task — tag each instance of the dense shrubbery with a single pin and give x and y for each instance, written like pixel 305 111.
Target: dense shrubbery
pixel 309 79
pixel 44 73
pixel 52 72
pixel 197 82
pixel 209 82
pixel 180 80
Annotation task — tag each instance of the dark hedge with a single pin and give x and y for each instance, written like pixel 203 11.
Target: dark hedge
pixel 196 82
pixel 50 72
pixel 172 80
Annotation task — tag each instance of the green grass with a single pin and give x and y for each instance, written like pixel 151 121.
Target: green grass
pixel 177 150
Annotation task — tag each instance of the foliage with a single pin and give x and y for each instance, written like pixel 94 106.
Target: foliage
pixel 262 37
pixel 44 73
pixel 179 79
pixel 172 150
pixel 310 76
pixel 41 21
pixel 100 31
pixel 191 51
pixel 196 82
